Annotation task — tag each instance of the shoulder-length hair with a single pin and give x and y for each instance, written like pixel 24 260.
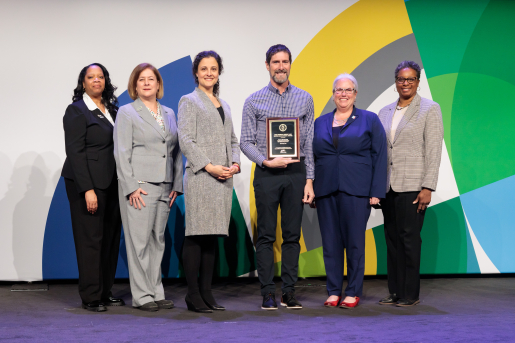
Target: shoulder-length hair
pixel 200 56
pixel 108 98
pixel 133 80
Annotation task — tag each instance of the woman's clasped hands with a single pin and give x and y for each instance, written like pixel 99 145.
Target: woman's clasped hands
pixel 220 172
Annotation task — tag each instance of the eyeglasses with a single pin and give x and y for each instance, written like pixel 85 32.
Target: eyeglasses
pixel 400 80
pixel 341 90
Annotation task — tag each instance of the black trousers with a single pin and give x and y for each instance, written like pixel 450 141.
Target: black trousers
pixel 198 259
pixel 276 187
pixel 402 227
pixel 97 240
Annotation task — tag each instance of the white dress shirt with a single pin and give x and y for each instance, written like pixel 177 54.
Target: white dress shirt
pixel 92 106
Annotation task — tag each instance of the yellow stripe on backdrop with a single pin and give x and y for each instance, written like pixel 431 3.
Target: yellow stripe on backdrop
pixel 347 41
pixel 341 46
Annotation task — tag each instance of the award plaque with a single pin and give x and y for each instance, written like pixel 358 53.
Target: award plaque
pixel 282 138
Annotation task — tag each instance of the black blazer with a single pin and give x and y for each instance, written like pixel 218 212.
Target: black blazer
pixel 88 137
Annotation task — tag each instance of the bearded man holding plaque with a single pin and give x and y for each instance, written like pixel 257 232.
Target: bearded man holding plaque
pixel 277 135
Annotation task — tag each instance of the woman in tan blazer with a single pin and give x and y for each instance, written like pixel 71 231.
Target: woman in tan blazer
pixel 414 131
pixel 207 140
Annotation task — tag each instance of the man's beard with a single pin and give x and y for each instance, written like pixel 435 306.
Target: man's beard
pixel 280 79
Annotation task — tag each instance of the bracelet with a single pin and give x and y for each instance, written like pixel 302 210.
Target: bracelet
pixel 237 165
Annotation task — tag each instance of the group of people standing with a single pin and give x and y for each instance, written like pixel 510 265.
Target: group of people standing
pixel 124 165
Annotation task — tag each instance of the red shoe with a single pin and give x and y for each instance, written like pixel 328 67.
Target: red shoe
pixel 349 305
pixel 333 303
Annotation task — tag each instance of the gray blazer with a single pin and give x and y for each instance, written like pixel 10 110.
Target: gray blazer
pixel 143 152
pixel 415 153
pixel 205 139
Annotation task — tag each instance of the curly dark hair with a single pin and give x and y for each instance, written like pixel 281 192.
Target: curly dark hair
pixel 274 49
pixel 408 64
pixel 108 98
pixel 200 56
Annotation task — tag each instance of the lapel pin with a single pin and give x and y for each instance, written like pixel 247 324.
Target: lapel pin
pixel 100 116
pixel 353 117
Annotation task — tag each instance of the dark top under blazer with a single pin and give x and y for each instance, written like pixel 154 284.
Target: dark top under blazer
pixel 358 165
pixel 88 138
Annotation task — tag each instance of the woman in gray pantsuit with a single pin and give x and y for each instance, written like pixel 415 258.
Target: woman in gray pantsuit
pixel 207 140
pixel 149 167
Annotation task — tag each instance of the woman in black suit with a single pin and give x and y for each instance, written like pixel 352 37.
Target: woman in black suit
pixel 91 185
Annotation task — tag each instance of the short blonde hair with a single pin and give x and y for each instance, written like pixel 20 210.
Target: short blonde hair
pixel 133 80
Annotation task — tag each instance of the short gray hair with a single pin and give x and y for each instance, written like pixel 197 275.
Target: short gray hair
pixel 348 77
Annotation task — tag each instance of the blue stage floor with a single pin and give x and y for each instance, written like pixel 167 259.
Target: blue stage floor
pixel 451 310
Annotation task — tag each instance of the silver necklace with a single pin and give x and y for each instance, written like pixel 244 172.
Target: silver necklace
pixel 340 122
pixel 400 108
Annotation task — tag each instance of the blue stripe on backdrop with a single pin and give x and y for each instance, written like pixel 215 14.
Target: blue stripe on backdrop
pixel 59 259
pixel 489 212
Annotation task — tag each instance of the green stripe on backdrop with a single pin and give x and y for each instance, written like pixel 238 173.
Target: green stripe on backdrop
pixel 236 254
pixel 442 29
pixel 444 241
pixel 378 232
pixel 474 39
pixel 442 88
pixel 311 264
pixel 483 130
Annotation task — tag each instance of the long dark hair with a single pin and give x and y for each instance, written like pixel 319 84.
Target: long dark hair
pixel 200 56
pixel 108 98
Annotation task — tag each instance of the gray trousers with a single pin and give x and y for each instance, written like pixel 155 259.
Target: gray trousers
pixel 145 242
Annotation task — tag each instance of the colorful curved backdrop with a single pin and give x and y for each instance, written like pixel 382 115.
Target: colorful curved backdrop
pixel 465 50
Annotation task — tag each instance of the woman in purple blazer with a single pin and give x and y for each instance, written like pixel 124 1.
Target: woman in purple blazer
pixel 350 175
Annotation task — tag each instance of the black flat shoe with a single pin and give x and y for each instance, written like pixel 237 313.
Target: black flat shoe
pixel 407 302
pixel 113 301
pixel 193 308
pixel 166 304
pixel 389 300
pixel 149 307
pixel 95 306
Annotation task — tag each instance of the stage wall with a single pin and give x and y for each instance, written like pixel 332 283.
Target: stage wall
pixel 463 48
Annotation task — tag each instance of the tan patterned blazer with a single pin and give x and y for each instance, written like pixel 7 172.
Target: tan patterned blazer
pixel 414 154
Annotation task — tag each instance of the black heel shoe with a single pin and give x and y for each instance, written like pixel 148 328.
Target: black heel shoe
pixel 193 308
pixel 214 306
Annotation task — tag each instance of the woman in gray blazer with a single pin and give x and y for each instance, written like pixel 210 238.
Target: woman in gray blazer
pixel 414 131
pixel 207 139
pixel 149 167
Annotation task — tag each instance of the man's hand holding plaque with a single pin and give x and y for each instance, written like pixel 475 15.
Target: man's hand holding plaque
pixel 282 142
pixel 279 162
